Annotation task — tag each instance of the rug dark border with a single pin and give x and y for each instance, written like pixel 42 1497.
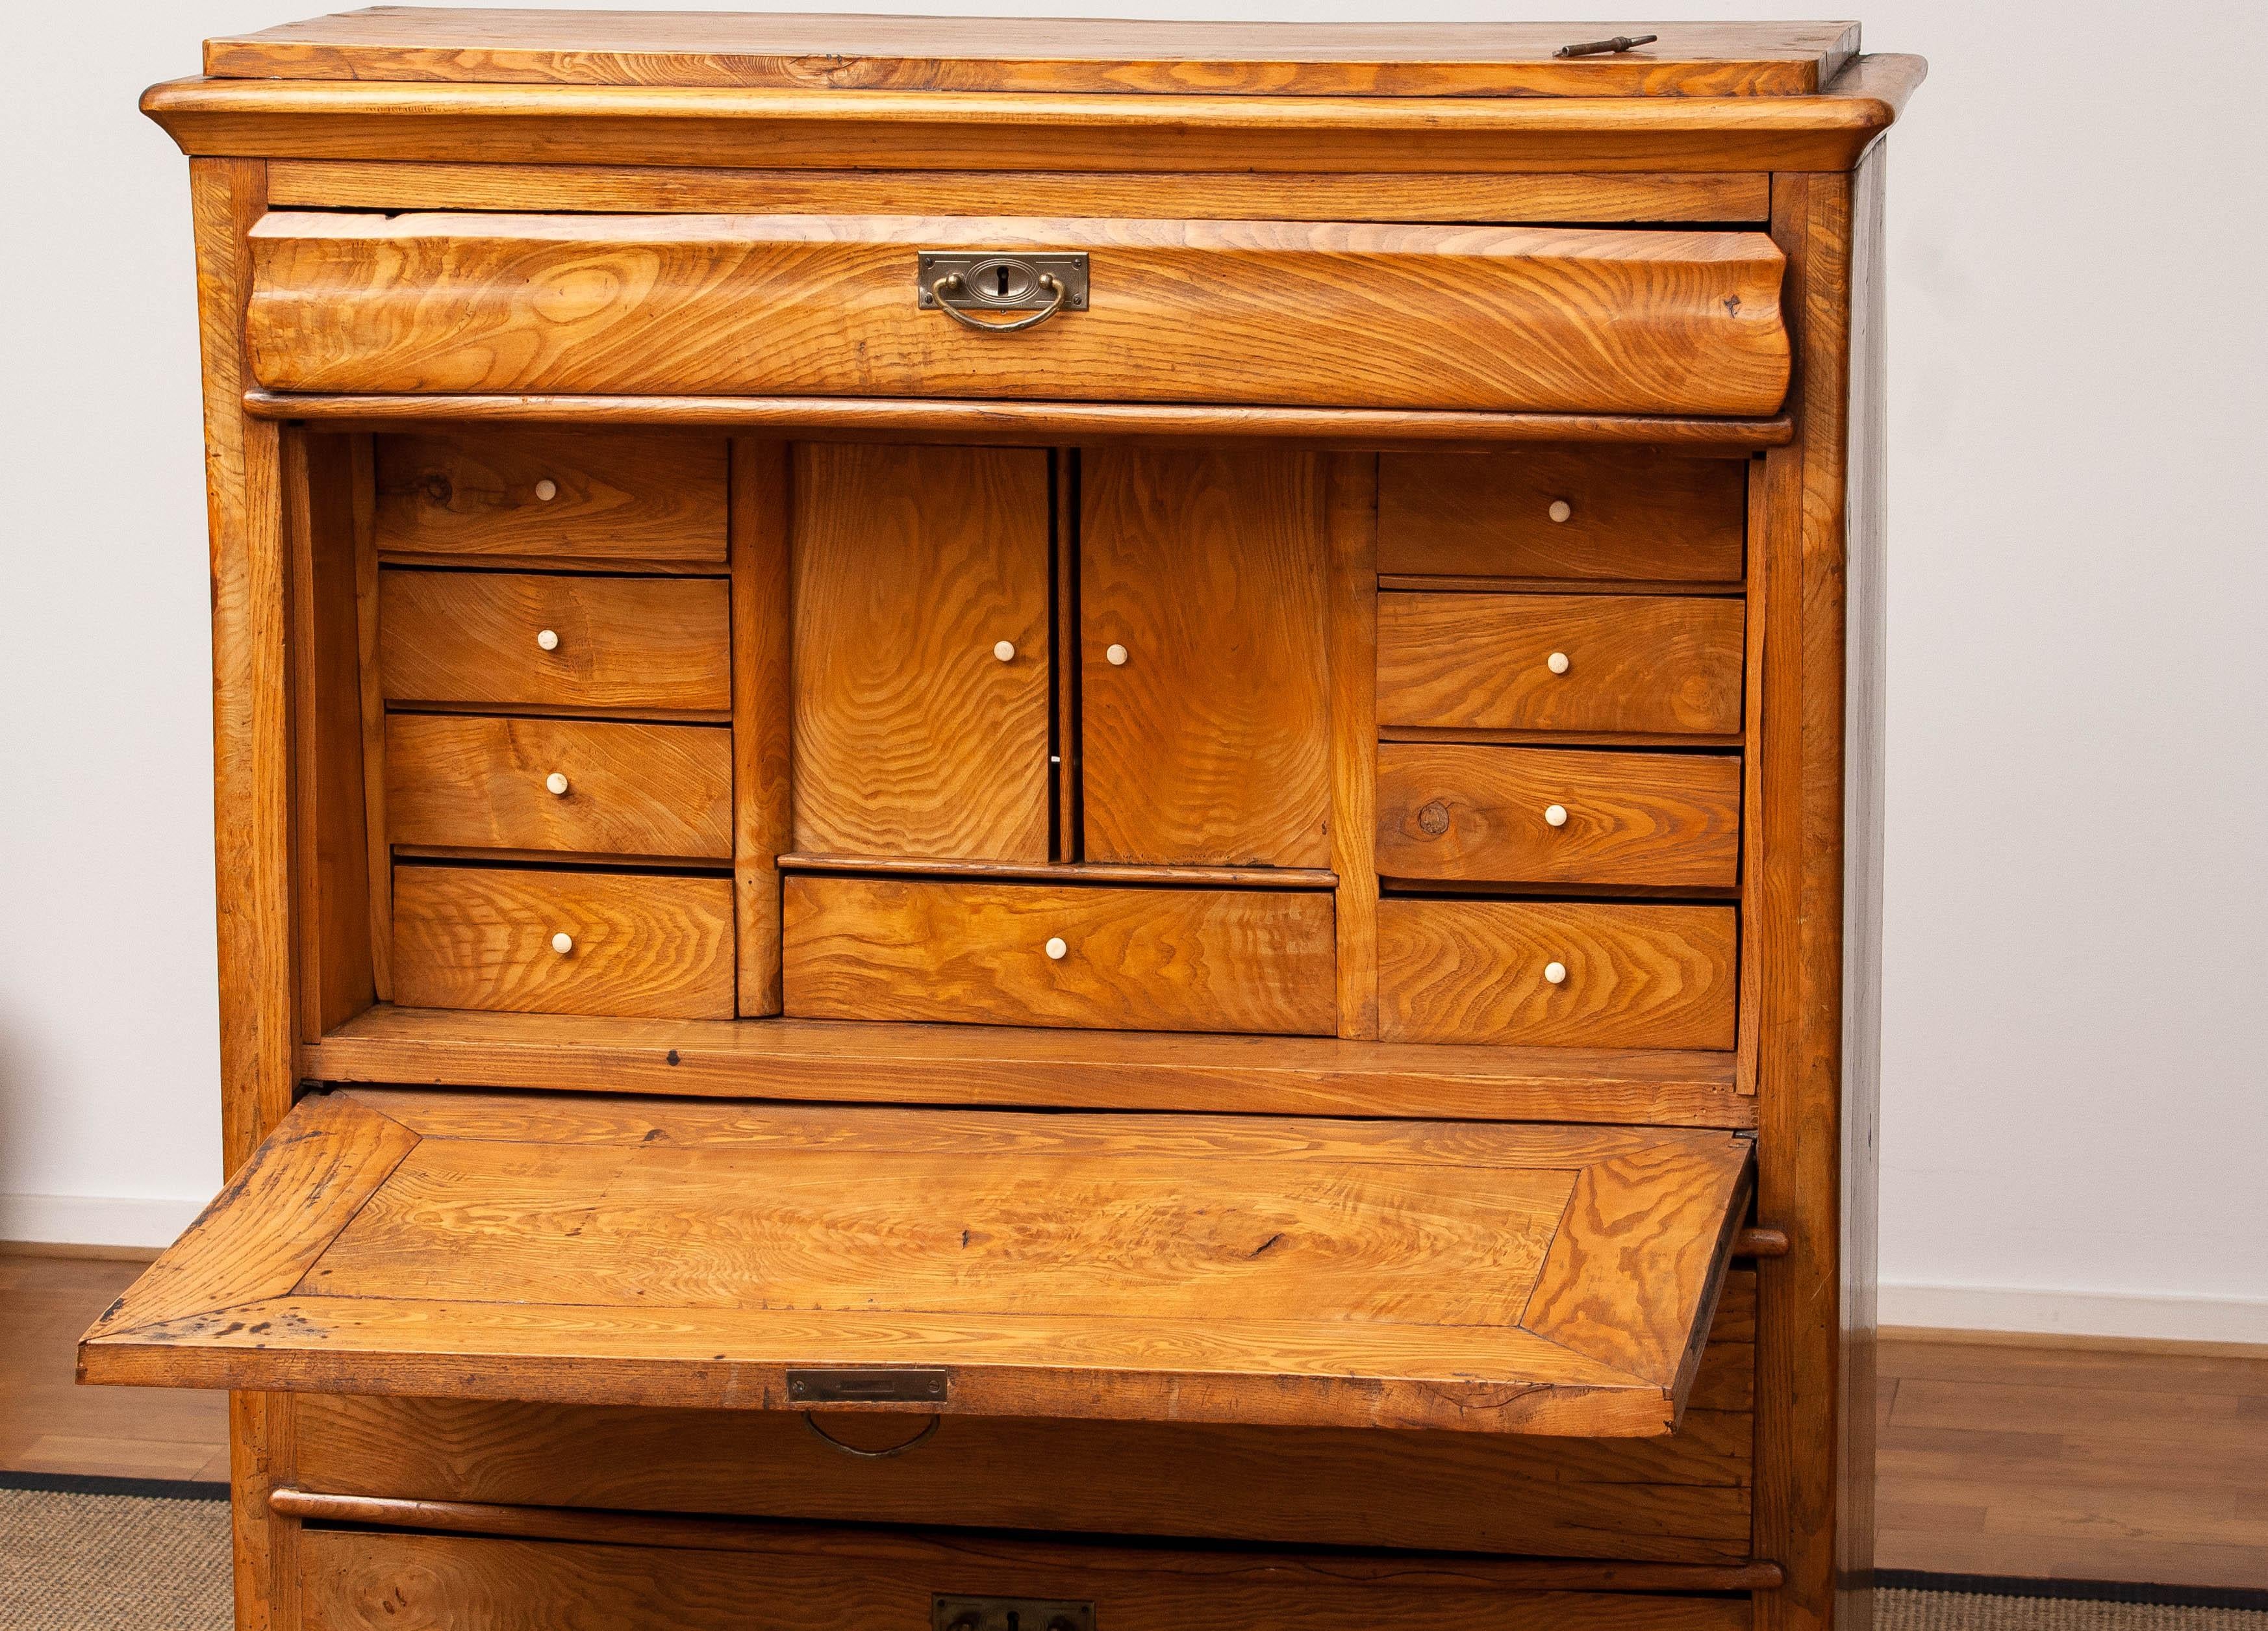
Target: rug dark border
pixel 86 1484
pixel 2074 1590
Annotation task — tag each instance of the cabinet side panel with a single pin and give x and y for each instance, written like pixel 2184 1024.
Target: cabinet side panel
pixel 1867 593
pixel 1803 1515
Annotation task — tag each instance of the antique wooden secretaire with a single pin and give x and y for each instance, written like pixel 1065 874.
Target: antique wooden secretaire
pixel 1028 826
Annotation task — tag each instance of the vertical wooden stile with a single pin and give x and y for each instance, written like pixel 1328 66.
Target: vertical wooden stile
pixel 1063 489
pixel 763 705
pixel 1350 524
pixel 362 454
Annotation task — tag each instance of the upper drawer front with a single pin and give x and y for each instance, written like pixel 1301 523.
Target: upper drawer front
pixel 563 942
pixel 1322 315
pixel 602 496
pixel 1457 812
pixel 1574 513
pixel 1632 664
pixel 586 785
pixel 656 644
pixel 1637 976
pixel 1007 954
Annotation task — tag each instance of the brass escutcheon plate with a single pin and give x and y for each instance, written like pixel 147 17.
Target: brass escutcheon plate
pixel 1000 280
pixel 1008 1614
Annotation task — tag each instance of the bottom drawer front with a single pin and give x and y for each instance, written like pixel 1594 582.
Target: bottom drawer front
pixel 1006 954
pixel 1632 976
pixel 636 945
pixel 360 1580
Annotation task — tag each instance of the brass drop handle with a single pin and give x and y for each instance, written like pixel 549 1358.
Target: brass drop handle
pixel 953 282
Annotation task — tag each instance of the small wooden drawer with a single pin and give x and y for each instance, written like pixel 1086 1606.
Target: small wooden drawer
pixel 1599 665
pixel 1006 954
pixel 1630 976
pixel 563 942
pixel 658 644
pixel 1321 313
pixel 578 786
pixel 628 1574
pixel 608 497
pixel 1457 812
pixel 1563 513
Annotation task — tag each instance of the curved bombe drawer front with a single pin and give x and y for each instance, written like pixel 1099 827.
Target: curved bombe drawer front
pixel 1233 311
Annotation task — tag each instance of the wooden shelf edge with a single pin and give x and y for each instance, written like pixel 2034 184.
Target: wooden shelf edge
pixel 973 1064
pixel 950 419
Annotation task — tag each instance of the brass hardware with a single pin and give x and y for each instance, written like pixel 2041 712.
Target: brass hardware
pixel 1607 47
pixel 869 1384
pixel 826 1437
pixel 1007 1614
pixel 1042 284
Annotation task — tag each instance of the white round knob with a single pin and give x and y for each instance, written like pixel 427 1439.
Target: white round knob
pixel 1557 663
pixel 1556 973
pixel 1058 950
pixel 1004 650
pixel 563 942
pixel 556 783
pixel 1560 510
pixel 548 490
pixel 1554 815
pixel 1115 656
pixel 549 639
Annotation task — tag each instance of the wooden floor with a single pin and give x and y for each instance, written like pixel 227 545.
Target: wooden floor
pixel 1996 1459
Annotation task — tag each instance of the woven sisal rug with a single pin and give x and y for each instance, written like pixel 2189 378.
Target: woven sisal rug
pixel 73 1560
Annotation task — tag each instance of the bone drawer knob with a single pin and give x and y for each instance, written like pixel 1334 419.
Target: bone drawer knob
pixel 548 490
pixel 1004 650
pixel 1115 656
pixel 1057 950
pixel 1556 973
pixel 1557 663
pixel 1554 815
pixel 563 942
pixel 557 784
pixel 549 639
pixel 1560 510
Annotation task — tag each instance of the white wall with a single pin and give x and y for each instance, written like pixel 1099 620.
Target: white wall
pixel 2076 1115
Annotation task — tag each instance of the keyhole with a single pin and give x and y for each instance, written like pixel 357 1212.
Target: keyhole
pixel 1015 1619
pixel 1000 276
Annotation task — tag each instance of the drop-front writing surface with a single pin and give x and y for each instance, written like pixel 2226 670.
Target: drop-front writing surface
pixel 1327 750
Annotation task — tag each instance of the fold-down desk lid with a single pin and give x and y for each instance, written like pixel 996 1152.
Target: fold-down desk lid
pixel 1545 1279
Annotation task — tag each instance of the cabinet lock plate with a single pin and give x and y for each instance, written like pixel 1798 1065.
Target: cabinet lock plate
pixel 1007 1614
pixel 986 280
pixel 878 1384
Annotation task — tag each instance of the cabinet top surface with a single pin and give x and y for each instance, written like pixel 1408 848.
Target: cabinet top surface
pixel 808 50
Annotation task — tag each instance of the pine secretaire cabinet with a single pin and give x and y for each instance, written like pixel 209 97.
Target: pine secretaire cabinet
pixel 1039 825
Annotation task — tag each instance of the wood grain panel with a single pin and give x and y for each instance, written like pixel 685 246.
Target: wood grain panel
pixel 1454 812
pixel 1635 664
pixel 912 736
pixel 1680 1498
pixel 616 496
pixel 1211 743
pixel 366 1581
pixel 480 783
pixel 624 643
pixel 1134 959
pixel 1598 320
pixel 1259 1271
pixel 1350 525
pixel 1630 514
pixel 1498 58
pixel 1637 976
pixel 1247 197
pixel 479 937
